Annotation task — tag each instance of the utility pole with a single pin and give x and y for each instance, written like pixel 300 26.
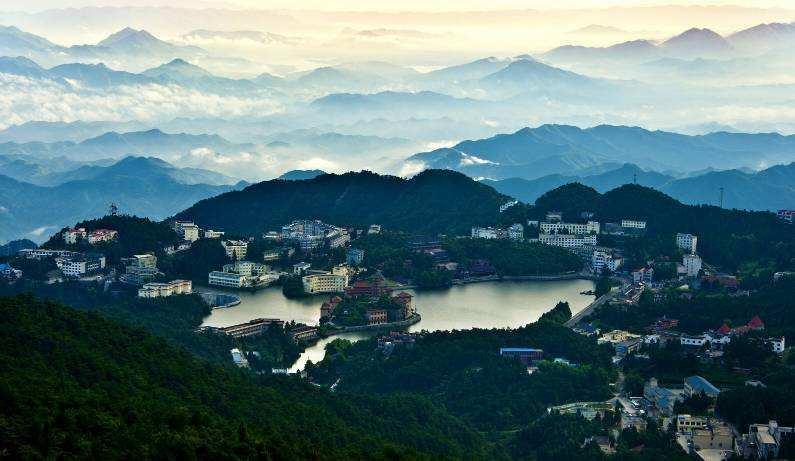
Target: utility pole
pixel 113 210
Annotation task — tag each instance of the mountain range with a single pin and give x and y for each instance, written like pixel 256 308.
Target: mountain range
pixel 770 189
pixel 432 201
pixel 137 185
pixel 116 145
pixel 531 153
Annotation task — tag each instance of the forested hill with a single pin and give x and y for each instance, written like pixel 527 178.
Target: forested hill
pixel 729 238
pixel 74 385
pixel 432 201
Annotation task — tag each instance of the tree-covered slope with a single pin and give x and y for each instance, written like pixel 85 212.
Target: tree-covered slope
pixel 75 385
pixel 432 201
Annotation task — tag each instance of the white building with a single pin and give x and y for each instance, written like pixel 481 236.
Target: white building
pixel 79 265
pixel 235 249
pixel 300 268
pixel 102 235
pixel 687 242
pixel 777 344
pixel 591 227
pixel 516 232
pixel 71 236
pixel 312 235
pixel 692 264
pixel 554 216
pixel 242 274
pixel 507 205
pixel 374 229
pixel 139 269
pixel 567 240
pixel 489 233
pixel 213 234
pixel 325 283
pixel 162 290
pixel 601 260
pixel 187 230
pixel 239 358
pixel 633 224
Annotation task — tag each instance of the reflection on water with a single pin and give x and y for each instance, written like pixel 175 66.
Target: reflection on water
pixel 481 305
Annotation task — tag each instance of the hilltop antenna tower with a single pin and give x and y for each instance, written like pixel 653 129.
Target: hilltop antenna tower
pixel 721 197
pixel 634 178
pixel 113 210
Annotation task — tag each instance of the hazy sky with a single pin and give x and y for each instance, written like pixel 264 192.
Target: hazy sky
pixel 403 5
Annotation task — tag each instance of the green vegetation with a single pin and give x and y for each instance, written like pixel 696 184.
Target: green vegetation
pixel 293 287
pixel 136 236
pixel 745 405
pixel 432 201
pixel 36 269
pixel 75 385
pixel 389 252
pixel 464 371
pixel 204 256
pixel 559 314
pixel 513 258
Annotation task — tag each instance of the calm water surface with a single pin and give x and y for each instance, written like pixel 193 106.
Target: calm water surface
pixel 481 305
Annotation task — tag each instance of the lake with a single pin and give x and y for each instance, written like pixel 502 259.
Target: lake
pixel 481 305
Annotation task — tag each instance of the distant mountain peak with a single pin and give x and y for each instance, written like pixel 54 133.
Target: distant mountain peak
pixel 695 41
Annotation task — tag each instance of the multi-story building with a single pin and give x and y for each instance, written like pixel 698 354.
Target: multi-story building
pixel 354 256
pixel 239 358
pixel 374 229
pixel 71 236
pixel 567 240
pixel 139 269
pixel 786 215
pixel 695 385
pixel 187 230
pixel 235 249
pixel 312 235
pixel 643 275
pixel 602 259
pixel 303 333
pixel 554 216
pixel 43 253
pixel 376 316
pixel 692 264
pixel 163 290
pixel 243 274
pixel 526 355
pixel 81 265
pixel 101 235
pixel 687 242
pixel 633 224
pixel 213 234
pixel 8 272
pixel 251 328
pixel 324 283
pixel 507 205
pixel 516 232
pixel 590 227
pixel 777 344
pixel 300 268
pixel 763 441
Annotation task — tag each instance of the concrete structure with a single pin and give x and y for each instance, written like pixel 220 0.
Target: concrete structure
pixel 554 216
pixel 43 253
pixel 374 229
pixel 313 235
pixel 242 274
pixel 81 265
pixel 692 264
pixel 101 236
pixel 567 240
pixel 601 260
pixel 590 227
pixel 695 385
pixel 633 224
pixel 376 316
pixel 239 358
pixel 163 290
pixel 212 234
pixel 786 215
pixel 526 355
pixel 71 236
pixel 324 283
pixel 514 232
pixel 300 268
pixel 354 256
pixel 235 249
pixel 763 441
pixel 687 242
pixel 507 205
pixel 251 328
pixel 187 230
pixel 777 344
pixel 643 275
pixel 303 333
pixel 9 273
pixel 139 269
pixel 663 399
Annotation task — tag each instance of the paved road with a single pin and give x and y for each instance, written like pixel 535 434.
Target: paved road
pixel 589 309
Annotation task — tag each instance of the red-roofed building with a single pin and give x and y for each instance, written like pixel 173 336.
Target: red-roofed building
pixel 373 289
pixel 724 329
pixel 404 299
pixel 756 323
